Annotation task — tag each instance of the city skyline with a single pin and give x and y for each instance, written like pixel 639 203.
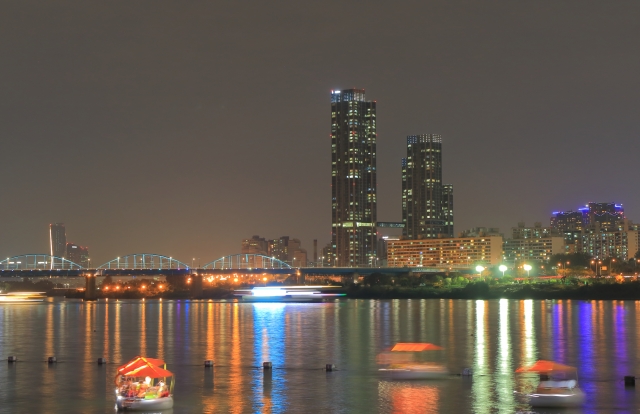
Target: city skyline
pixel 141 135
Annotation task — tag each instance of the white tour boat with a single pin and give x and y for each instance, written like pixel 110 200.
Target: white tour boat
pixel 289 293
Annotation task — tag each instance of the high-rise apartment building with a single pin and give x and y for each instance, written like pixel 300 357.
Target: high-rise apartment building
pixel 447 209
pixel 570 224
pixel 606 216
pixel 599 229
pixel 255 245
pixel 353 178
pixel 427 203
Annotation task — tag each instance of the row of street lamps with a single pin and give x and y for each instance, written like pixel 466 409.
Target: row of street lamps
pixel 503 268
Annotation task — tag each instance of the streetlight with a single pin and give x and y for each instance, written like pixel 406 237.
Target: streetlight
pixel 479 269
pixel 527 267
pixel 611 266
pixel 503 269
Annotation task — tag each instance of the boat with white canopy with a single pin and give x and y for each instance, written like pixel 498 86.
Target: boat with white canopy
pixel 558 386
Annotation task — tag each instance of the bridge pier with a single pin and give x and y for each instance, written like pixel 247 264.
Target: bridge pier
pixel 196 285
pixel 90 291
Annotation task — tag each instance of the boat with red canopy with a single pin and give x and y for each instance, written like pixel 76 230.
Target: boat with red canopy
pixel 144 384
pixel 405 362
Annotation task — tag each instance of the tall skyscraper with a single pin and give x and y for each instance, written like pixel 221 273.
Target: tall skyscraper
pixel 57 240
pixel 427 203
pixel 57 243
pixel 353 178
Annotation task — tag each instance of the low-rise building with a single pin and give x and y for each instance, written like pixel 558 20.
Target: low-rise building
pixel 451 252
pixel 606 244
pixel 533 249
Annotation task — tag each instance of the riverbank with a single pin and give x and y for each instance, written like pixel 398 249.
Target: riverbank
pixel 589 290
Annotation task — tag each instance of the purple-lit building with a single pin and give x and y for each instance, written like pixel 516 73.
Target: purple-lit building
pixel 600 230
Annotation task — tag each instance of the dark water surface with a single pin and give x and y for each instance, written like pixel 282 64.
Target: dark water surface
pixel 601 338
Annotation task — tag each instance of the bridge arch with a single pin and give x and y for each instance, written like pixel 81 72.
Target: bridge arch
pixel 144 261
pixel 36 261
pixel 247 261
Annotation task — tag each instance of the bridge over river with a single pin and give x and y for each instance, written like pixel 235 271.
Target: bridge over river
pixel 247 267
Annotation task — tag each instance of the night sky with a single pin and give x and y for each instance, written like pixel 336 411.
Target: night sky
pixel 181 128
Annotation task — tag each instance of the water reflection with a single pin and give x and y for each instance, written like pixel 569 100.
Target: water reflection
pixel 481 388
pixel 408 397
pixel 270 324
pixel 493 337
pixel 504 362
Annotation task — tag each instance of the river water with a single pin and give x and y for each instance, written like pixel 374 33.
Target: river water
pixel 600 338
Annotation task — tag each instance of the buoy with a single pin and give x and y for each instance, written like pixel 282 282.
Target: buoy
pixel 51 360
pixel 630 381
pixel 330 367
pixel 208 363
pixel 12 359
pixel 266 365
pixel 102 361
pixel 467 372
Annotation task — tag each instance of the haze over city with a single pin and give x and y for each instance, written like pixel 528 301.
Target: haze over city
pixel 181 129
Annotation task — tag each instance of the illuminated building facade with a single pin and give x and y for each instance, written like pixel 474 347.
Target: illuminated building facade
pixel 481 232
pixel 606 216
pixel 353 178
pixel 255 245
pixel 535 232
pixel 608 244
pixel 447 209
pixel 465 252
pixel 427 203
pixel 533 248
pixel 600 230
pixel 77 254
